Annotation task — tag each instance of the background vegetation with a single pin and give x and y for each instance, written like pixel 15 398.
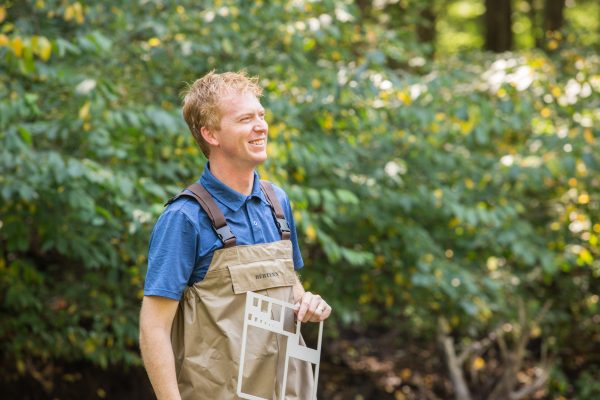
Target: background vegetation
pixel 443 158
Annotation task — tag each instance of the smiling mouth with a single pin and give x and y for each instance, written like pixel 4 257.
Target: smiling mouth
pixel 257 142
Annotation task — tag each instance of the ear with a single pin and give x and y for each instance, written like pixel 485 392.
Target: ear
pixel 209 136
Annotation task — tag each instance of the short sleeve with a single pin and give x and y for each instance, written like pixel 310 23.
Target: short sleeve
pixel 171 255
pixel 289 216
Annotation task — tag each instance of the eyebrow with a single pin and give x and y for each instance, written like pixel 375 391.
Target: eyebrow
pixel 249 113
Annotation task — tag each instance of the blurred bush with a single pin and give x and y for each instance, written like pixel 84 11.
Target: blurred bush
pixel 455 200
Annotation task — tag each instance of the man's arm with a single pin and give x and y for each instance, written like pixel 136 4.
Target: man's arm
pixel 308 306
pixel 156 319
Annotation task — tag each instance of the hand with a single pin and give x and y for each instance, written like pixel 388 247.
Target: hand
pixel 311 307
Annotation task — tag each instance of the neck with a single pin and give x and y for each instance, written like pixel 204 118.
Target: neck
pixel 237 178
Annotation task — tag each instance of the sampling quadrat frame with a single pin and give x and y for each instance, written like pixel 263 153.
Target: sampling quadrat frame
pixel 258 313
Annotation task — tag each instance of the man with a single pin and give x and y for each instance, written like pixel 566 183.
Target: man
pixel 222 237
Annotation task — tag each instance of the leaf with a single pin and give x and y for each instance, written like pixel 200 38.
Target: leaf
pixel 17 46
pixel 25 135
pixel 347 196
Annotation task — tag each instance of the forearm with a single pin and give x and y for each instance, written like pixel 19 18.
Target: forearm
pixel 298 289
pixel 159 362
pixel 309 306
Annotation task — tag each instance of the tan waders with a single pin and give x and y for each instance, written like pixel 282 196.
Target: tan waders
pixel 207 329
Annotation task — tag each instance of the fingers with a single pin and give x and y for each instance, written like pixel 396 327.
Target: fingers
pixel 311 307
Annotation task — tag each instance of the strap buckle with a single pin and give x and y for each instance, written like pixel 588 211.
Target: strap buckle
pixel 225 234
pixel 283 225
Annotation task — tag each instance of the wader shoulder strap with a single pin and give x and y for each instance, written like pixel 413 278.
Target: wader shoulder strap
pixel 282 224
pixel 217 219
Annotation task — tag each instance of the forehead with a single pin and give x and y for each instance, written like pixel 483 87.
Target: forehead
pixel 233 104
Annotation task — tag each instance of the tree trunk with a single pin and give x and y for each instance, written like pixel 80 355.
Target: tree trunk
pixel 498 25
pixel 461 390
pixel 426 27
pixel 553 15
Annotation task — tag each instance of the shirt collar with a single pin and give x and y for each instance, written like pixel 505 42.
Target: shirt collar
pixel 229 197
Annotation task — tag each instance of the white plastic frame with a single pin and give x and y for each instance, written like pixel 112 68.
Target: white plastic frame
pixel 254 316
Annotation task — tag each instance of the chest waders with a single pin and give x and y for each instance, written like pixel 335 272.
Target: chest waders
pixel 207 330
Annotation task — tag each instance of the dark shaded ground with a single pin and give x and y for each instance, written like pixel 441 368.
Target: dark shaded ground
pixel 358 368
pixel 369 364
pixel 375 365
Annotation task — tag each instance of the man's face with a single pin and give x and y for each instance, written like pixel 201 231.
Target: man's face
pixel 242 136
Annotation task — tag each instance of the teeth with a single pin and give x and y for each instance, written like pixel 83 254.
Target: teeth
pixel 258 141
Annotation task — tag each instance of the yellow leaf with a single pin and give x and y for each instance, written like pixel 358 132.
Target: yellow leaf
pixel 405 374
pixel 180 9
pixel 2 13
pixel 478 363
pixel 299 175
pixel 311 232
pixel 398 279
pixel 20 366
pixel 78 10
pixel 469 183
pixel 466 126
pixel 315 83
pixel 84 111
pixel 89 346
pixel 17 46
pixel 545 112
pixel 537 62
pixel 7 27
pixel 389 300
pixel 364 298
pixel 69 12
pixel 40 4
pixel 4 40
pixel 43 48
pixel 583 198
pixel 328 123
pixel 585 257
pixel 404 97
pixel 588 135
pixel 153 42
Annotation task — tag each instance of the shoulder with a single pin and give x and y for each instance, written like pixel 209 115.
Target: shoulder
pixel 282 196
pixel 279 192
pixel 182 208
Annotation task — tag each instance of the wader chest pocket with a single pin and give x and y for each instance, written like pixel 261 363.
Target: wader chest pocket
pixel 261 275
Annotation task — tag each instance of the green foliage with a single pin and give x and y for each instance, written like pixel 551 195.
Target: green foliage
pixel 457 192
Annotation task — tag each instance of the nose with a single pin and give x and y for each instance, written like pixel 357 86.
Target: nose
pixel 261 125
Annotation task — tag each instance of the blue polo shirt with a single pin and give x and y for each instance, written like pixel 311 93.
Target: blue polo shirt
pixel 183 240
